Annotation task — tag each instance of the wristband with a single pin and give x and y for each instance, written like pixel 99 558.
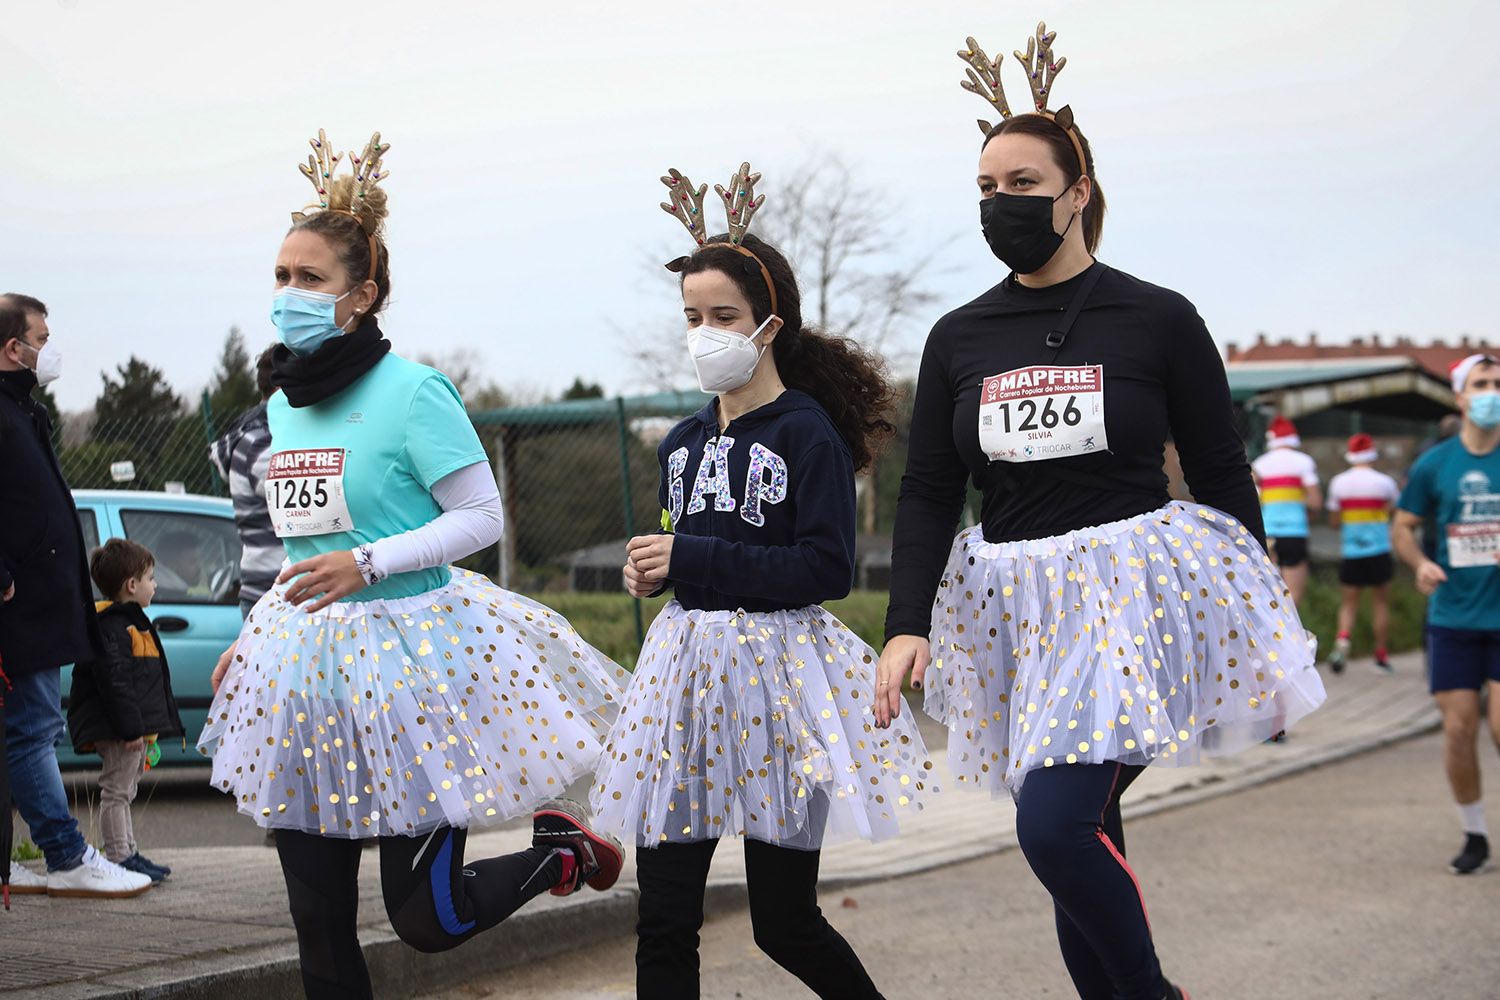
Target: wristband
pixel 364 561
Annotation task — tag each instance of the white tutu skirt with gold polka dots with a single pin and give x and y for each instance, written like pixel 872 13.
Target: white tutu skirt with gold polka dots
pixel 1151 640
pixel 463 706
pixel 757 724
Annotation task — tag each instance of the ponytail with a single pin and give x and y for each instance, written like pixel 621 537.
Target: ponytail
pixel 848 382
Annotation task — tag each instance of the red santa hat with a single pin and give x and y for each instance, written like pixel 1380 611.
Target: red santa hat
pixel 1362 450
pixel 1283 434
pixel 1458 372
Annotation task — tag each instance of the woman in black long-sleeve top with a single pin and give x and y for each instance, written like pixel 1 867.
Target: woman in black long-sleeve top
pixel 1089 626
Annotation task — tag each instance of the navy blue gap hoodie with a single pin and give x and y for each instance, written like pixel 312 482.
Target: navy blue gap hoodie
pixel 763 513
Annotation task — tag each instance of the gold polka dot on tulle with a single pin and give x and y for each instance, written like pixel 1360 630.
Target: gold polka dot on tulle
pixel 467 705
pixel 760 725
pixel 1150 640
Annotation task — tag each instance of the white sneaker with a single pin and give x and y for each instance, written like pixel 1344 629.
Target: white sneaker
pixel 25 882
pixel 97 878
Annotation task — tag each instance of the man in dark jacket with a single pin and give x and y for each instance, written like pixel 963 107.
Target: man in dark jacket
pixel 46 607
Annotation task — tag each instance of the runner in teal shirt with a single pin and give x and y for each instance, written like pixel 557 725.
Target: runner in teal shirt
pixel 376 691
pixel 1461 491
pixel 1456 487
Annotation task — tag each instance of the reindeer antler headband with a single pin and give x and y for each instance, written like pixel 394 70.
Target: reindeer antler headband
pixel 319 168
pixel 1041 72
pixel 740 205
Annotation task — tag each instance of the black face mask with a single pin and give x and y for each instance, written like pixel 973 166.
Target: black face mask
pixel 1018 228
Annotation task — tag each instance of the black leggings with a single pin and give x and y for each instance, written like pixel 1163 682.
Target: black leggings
pixel 789 926
pixel 434 900
pixel 1068 824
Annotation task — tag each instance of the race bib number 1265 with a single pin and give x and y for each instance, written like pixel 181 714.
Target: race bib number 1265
pixel 305 493
pixel 1041 412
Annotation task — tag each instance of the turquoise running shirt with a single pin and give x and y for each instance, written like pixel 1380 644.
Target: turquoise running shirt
pixel 360 465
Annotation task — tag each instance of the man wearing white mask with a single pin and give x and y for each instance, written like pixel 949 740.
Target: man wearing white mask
pixel 46 612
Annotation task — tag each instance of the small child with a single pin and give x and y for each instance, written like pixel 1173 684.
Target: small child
pixel 122 702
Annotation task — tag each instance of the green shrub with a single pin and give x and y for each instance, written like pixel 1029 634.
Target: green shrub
pixel 608 620
pixel 1320 608
pixel 25 850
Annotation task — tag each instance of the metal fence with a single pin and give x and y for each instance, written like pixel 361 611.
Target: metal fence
pixel 577 478
pixel 144 453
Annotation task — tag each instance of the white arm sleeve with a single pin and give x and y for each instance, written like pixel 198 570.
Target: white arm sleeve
pixel 472 519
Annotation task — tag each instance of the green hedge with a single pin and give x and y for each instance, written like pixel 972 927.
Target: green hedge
pixel 608 621
pixel 1320 608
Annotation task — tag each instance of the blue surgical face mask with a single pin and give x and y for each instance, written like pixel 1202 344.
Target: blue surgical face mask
pixel 1484 410
pixel 304 319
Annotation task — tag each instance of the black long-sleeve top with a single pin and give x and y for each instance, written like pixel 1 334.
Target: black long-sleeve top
pixel 1163 380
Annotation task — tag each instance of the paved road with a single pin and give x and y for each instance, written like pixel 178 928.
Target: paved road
pixel 1331 884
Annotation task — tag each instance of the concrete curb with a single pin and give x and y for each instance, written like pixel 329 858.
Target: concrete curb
pixel 549 927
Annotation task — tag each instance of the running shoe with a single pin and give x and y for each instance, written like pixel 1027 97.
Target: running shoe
pixel 137 863
pixel 164 869
pixel 1339 656
pixel 1474 857
pixel 1383 665
pixel 599 857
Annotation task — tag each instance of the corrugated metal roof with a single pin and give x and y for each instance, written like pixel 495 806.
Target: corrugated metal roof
pixel 593 411
pixel 1248 378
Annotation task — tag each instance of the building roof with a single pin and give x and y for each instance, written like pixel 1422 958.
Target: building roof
pixel 1436 356
pixel 1248 378
pixel 1392 386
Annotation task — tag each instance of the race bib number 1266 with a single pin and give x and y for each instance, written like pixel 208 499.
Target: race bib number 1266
pixel 1040 412
pixel 305 493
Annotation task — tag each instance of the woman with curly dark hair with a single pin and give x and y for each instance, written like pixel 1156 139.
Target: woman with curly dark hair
pixel 750 709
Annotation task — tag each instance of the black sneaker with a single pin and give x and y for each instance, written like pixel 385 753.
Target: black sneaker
pixel 1383 665
pixel 1474 857
pixel 154 864
pixel 561 824
pixel 139 865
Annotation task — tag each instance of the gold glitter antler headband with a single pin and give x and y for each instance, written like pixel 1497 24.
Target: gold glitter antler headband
pixel 1041 71
pixel 686 205
pixel 740 205
pixel 367 167
pixel 319 168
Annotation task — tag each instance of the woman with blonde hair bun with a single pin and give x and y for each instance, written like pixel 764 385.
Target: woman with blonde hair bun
pixel 376 691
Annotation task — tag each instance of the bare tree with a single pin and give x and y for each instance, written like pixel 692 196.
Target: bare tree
pixel 465 368
pixel 859 275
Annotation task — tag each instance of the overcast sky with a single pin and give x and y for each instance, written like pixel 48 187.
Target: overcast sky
pixel 1289 166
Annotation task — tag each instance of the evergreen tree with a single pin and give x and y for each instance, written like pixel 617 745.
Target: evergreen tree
pixel 141 397
pixel 44 396
pixel 232 390
pixel 138 414
pixel 583 390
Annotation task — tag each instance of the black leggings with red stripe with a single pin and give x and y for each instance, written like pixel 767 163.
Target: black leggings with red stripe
pixel 1068 824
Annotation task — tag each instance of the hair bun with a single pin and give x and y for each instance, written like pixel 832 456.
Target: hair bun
pixel 371 210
